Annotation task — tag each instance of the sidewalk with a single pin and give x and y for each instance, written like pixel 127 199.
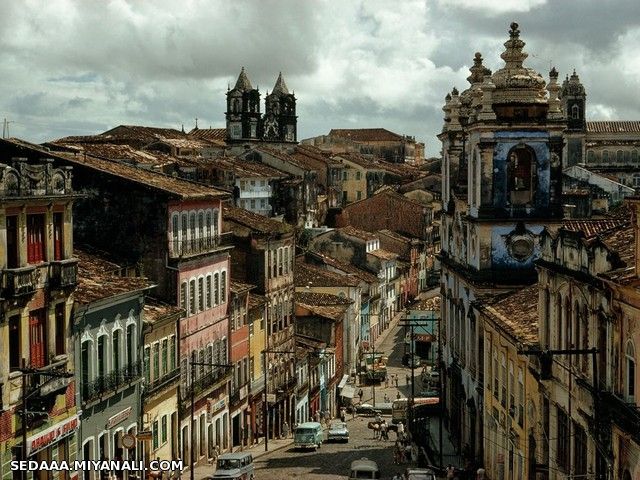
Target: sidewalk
pixel 201 471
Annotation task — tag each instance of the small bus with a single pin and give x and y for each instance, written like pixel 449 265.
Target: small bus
pixel 364 468
pixel 422 404
pixel 234 466
pixel 308 435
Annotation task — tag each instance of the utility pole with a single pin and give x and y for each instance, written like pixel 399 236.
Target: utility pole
pixel 265 417
pixel 192 452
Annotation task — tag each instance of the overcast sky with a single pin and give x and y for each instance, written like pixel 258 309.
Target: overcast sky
pixel 81 67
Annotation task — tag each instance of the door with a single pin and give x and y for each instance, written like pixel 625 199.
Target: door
pixel 37 338
pixel 12 241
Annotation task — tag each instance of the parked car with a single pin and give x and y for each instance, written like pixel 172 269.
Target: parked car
pixel 338 432
pixel 419 474
pixel 367 410
pixel 431 378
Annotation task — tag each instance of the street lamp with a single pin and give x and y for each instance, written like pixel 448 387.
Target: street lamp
pixel 266 384
pixel 24 413
pixel 192 459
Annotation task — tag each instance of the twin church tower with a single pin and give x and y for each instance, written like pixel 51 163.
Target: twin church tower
pixel 246 123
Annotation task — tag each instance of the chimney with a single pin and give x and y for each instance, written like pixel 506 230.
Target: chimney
pixel 634 204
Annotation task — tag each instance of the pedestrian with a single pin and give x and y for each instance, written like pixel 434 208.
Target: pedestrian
pixel 396 380
pixel 317 416
pixel 343 414
pixel 386 382
pixel 285 430
pixel 384 432
pixel 451 471
pixel 360 394
pixel 398 395
pixel 386 398
pixel 378 418
pixel 400 431
pixel 408 378
pixel 480 474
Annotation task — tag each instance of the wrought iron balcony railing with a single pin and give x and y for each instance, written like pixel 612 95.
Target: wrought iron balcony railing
pixel 164 381
pixel 111 382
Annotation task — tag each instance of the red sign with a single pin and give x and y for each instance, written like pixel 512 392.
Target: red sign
pixel 52 434
pixel 424 337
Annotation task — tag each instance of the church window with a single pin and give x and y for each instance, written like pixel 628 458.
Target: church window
pixel 253 130
pixel 521 175
pixel 236 132
pixel 575 112
pixel 605 156
pixel 627 156
pixel 591 156
pixel 631 372
pixel 634 156
pixel 619 156
pixel 236 105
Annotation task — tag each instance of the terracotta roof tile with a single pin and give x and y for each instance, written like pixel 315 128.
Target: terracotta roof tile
pixel 618 126
pixel 366 134
pixel 248 168
pixel 155 310
pixel 355 232
pixel 429 304
pixel 209 133
pixel 593 227
pixel 178 187
pixel 253 221
pixel 348 268
pixel 97 279
pixel 307 274
pixel 238 287
pixel 323 304
pixel 383 254
pixel 517 313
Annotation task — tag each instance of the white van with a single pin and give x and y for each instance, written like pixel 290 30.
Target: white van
pixel 364 468
pixel 234 466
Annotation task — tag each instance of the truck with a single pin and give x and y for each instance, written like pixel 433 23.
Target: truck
pixel 374 368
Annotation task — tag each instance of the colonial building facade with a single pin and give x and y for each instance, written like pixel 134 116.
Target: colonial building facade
pixel 502 144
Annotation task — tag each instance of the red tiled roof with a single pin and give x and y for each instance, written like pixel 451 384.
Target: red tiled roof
pixel 310 275
pixel 348 268
pixel 209 133
pixel 356 232
pixel 155 310
pixel 366 134
pixel 517 313
pixel 593 227
pixel 252 221
pixel 248 168
pixel 615 126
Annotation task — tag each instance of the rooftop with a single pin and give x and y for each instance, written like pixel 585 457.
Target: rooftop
pixel 346 267
pixel 248 168
pixel 256 300
pixel 429 304
pixel 155 310
pixel 617 126
pixel 209 133
pixel 355 232
pixel 593 227
pixel 253 221
pixel 383 254
pixel 177 187
pixel 517 314
pixel 366 134
pixel 306 274
pixel 323 304
pixel 238 287
pixel 97 279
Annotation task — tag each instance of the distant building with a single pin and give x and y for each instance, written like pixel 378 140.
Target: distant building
pixel 378 142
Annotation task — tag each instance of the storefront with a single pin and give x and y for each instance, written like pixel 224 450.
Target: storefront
pixel 56 443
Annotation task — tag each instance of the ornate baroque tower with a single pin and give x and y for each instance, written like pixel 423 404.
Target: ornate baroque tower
pixel 243 111
pixel 501 171
pixel 574 99
pixel 280 114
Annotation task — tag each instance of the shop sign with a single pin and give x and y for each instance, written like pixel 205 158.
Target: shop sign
pixel 118 417
pixel 52 434
pixel 424 337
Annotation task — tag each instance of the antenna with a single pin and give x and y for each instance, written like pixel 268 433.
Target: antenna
pixel 196 122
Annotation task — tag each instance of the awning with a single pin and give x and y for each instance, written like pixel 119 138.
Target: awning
pixel 343 382
pixel 349 391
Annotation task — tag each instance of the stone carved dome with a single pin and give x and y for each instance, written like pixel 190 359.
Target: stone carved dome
pixel 514 82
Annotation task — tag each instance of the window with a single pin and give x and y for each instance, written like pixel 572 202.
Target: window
pixel 496 376
pixel 164 354
pixel 116 343
pixel 183 296
pixel 605 155
pixel 512 391
pixel 147 364
pixel 619 156
pixel 216 289
pixel 279 261
pixel 200 294
pixel 591 156
pixel 223 287
pixel 263 204
pixel 15 341
pixel 503 360
pixel 58 245
pixel 172 352
pixel 634 156
pixel 208 291
pixel 35 238
pixel 61 331
pixel 131 344
pixel 631 371
pixel 192 297
pixel 201 226
pixel 520 171
pixel 164 429
pixel 156 432
pixel 185 227
pixel 546 317
pixel 12 241
pixel 562 441
pixel 575 112
pixel 286 260
pixel 253 204
pixel 520 397
pixel 579 450
pixel 344 175
pixel 155 353
pixel 38 338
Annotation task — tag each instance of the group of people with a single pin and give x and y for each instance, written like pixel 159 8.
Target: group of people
pixel 394 379
pixel 322 417
pixel 382 430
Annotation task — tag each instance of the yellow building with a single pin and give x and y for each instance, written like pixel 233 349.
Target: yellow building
pixel 257 343
pixel 511 391
pixel 162 378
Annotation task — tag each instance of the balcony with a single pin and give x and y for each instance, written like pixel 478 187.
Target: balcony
pixel 17 282
pixel 625 415
pixel 108 384
pixel 194 246
pixel 206 382
pixel 164 381
pixel 63 273
pixel 239 394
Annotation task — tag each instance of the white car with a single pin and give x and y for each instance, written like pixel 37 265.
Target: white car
pixel 338 432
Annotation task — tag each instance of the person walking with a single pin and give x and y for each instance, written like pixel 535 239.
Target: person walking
pixel 400 431
pixel 360 394
pixel 384 432
pixel 396 380
pixel 398 396
pixel 285 430
pixel 343 414
pixel 386 398
pixel 316 416
pixel 386 382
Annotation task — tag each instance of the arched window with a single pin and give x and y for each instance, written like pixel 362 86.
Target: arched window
pixel 605 155
pixel 521 175
pixel 630 379
pixel 627 156
pixel 619 156
pixel 634 156
pixel 216 289
pixel 223 287
pixel 591 156
pixel 575 112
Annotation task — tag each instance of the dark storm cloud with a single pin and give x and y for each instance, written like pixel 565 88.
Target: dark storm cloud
pixel 88 66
